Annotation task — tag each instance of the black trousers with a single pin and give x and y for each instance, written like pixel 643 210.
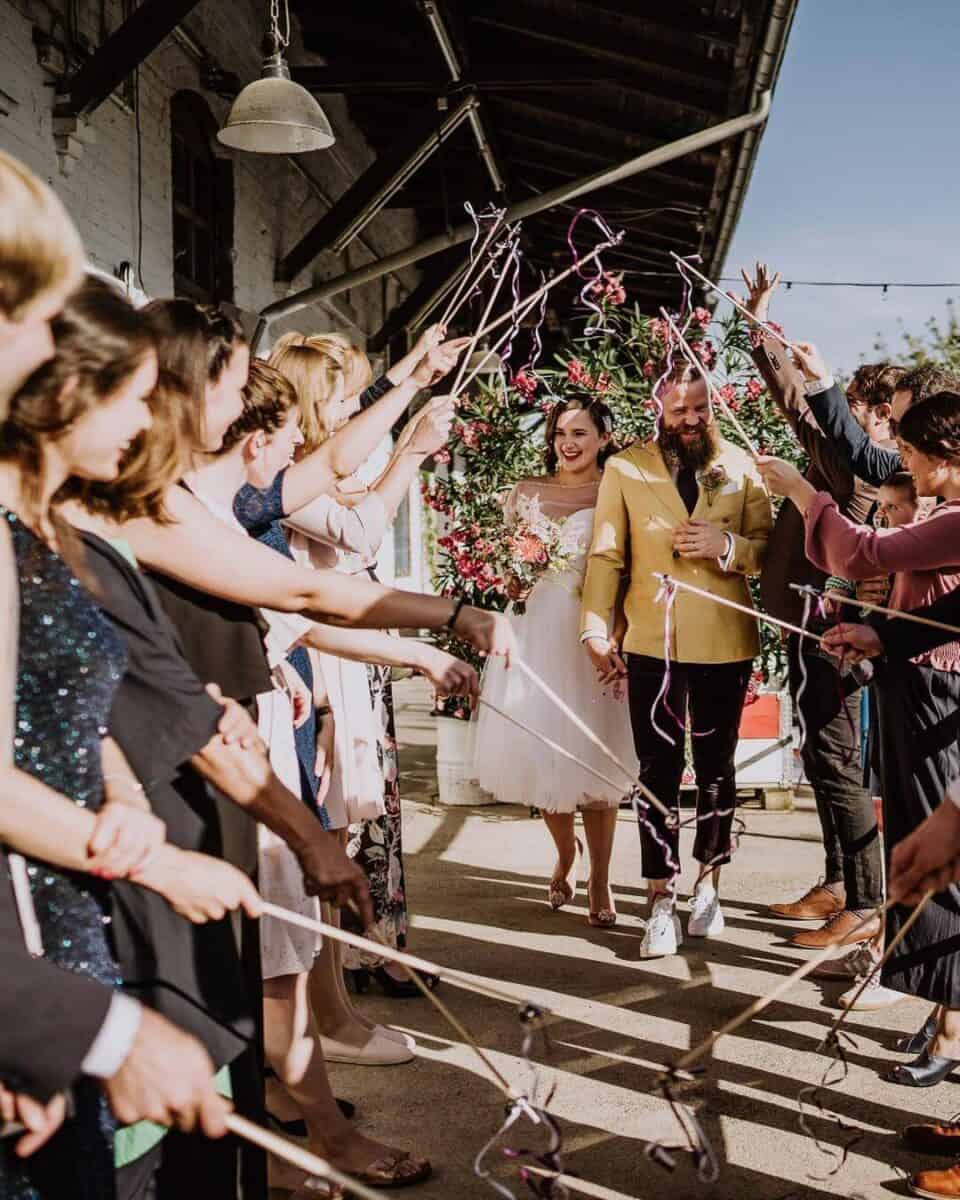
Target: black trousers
pixel 714 694
pixel 830 706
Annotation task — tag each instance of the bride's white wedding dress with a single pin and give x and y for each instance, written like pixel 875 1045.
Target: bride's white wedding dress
pixel 511 764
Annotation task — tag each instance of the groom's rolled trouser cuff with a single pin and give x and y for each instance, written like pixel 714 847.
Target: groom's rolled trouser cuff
pixel 715 693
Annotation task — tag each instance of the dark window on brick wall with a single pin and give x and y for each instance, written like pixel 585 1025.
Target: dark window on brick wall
pixel 202 204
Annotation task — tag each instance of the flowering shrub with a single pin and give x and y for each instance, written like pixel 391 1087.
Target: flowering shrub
pixel 498 438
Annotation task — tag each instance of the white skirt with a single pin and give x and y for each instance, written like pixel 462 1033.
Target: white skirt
pixel 515 766
pixel 284 949
pixel 356 783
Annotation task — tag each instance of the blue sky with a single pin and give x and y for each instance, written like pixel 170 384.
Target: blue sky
pixel 858 172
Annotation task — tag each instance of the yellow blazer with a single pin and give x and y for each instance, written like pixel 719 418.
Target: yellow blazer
pixel 638 509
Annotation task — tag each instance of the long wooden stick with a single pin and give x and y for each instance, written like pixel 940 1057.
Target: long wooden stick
pixel 495 291
pixel 551 283
pixel 465 283
pixel 904 929
pixel 521 311
pixel 712 389
pixel 296 1155
pixel 744 608
pixel 589 734
pixel 867 606
pixel 682 262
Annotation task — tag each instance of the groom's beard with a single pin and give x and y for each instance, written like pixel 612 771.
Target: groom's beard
pixel 693 452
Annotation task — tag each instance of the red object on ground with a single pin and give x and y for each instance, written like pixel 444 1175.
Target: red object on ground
pixel 762 718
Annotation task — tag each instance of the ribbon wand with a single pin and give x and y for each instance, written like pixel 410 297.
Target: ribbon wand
pixel 683 265
pixel 893 613
pixel 744 608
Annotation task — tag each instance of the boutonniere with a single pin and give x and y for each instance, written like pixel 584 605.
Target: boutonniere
pixel 712 481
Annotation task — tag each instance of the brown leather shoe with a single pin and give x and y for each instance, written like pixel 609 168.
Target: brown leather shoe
pixel 936 1185
pixel 932 1138
pixel 837 931
pixel 816 905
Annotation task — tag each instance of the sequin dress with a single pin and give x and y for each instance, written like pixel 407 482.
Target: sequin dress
pixel 69 667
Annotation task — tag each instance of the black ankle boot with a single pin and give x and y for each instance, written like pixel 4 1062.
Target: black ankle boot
pixel 914 1043
pixel 925 1071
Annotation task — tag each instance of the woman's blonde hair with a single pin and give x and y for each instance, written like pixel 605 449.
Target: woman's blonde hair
pixel 314 364
pixel 40 249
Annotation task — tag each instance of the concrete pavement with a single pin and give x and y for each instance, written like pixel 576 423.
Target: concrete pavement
pixel 477 889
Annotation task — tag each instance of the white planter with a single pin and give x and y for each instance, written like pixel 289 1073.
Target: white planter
pixel 456 741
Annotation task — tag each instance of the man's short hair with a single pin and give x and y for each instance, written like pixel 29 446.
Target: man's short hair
pixel 925 381
pixel 875 383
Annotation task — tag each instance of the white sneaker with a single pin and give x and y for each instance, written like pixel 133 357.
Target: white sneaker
pixel 873 998
pixel 662 934
pixel 706 915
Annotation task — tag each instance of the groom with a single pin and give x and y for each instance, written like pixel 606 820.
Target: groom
pixel 691 505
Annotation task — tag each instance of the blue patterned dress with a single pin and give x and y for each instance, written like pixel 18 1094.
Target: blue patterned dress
pixel 69 667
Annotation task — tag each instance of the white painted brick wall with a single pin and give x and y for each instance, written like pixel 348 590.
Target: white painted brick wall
pixel 274 204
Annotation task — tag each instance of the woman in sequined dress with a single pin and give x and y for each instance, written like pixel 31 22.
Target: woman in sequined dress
pixel 70 663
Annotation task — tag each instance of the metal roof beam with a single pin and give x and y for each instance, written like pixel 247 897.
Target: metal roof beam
pixel 120 55
pixel 357 207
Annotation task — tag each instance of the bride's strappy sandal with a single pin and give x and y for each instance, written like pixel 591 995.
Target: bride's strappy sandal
pixel 562 893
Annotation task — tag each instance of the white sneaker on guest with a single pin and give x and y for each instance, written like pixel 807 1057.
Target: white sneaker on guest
pixel 706 915
pixel 873 998
pixel 662 934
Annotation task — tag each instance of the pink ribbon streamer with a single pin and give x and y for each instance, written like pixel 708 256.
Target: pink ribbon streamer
pixel 586 292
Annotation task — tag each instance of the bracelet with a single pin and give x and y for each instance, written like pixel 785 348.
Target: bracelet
pixel 461 601
pixel 323 710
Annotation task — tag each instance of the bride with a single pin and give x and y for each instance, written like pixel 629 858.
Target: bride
pixel 515 767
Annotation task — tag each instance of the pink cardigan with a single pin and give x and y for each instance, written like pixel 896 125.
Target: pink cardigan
pixel 924 558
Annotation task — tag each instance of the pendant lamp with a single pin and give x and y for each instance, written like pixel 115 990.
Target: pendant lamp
pixel 274 115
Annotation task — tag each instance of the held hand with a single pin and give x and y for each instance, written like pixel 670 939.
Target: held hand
pixel 124 841
pixel 852 642
pixel 431 427
pixel 431 337
pixel 449 675
pixel 488 632
pixel 874 591
pixel 168 1078
pixel 330 875
pixel 605 657
pixel 699 539
pixel 929 857
pixel 41 1121
pixel 810 360
pixel 199 887
pixel 236 726
pixel 780 477
pixel 323 765
pixel 438 362
pixel 759 290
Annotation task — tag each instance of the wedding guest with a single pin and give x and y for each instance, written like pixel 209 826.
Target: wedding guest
pixel 510 763
pixel 837 415
pixel 828 700
pixel 918 701
pixel 330 375
pixel 689 504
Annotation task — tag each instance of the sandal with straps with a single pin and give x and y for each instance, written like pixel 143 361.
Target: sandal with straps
pixel 563 892
pixel 396 1170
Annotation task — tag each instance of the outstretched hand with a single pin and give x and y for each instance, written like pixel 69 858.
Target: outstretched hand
pixel 759 290
pixel 927 858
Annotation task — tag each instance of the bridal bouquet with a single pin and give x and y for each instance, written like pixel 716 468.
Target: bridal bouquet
pixel 535 545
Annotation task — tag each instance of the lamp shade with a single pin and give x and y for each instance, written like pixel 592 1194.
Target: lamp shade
pixel 274 115
pixel 485 362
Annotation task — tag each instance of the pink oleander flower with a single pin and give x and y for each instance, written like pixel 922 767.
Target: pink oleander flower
pixel 649 369
pixel 601 384
pixel 754 388
pixel 469 435
pixel 703 316
pixel 526 383
pixel 442 456
pixel 577 373
pixel 659 330
pixel 728 392
pixel 705 352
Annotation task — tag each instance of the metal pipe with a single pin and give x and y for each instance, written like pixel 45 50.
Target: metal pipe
pixel 452 59
pixel 423 152
pixel 525 208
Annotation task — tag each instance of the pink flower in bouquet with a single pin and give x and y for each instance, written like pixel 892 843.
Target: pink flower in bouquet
pixel 526 383
pixel 469 435
pixel 577 373
pixel 702 316
pixel 442 456
pixel 754 388
pixel 530 549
